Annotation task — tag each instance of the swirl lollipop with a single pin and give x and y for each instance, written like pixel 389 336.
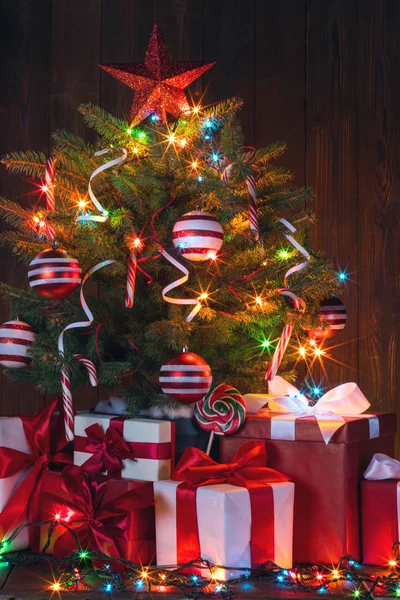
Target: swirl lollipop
pixel 222 411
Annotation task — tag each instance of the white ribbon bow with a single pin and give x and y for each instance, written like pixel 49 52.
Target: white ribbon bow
pixel 286 400
pixel 382 467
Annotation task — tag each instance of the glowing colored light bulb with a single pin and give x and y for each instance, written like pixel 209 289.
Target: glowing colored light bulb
pixel 171 138
pixel 163 576
pixel 194 164
pixel 83 554
pixel 335 573
pixel 283 254
pixel 397 592
pixel 208 123
pixel 195 578
pixel 259 301
pixel 318 352
pixel 302 351
pixel 183 142
pixel 42 224
pixel 143 574
pixel 293 575
pixel 137 243
pixel 141 135
pixel 81 204
pixel 45 188
pixel 207 137
pixel 280 578
pixel 57 516
pixel 316 391
pixel 392 563
pixel 139 583
pixel 196 109
pixel 56 586
pixel 215 157
pixel 200 178
pixel 36 219
pixel 129 131
pixel 154 117
pixel 266 344
pixel 108 587
pixel 212 255
pixel 135 150
pixel 203 296
pixel 319 576
pixel 356 593
pixel 342 276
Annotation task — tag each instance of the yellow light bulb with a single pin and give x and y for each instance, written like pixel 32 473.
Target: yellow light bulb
pixel 335 573
pixel 171 138
pixel 163 576
pixel 302 351
pixel 143 574
pixel 137 243
pixel 45 188
pixel 259 301
pixel 55 586
pixel 392 563
pixel 194 164
pixel 57 516
pixel 313 343
pixel 203 296
pixel 36 219
pixel 212 255
pixel 81 204
pixel 135 150
pixel 183 142
pixel 318 352
pixel 42 224
pixel 196 109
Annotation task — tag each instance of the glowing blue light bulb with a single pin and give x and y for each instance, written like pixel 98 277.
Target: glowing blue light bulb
pixel 208 123
pixel 207 137
pixel 286 572
pixel 199 178
pixel 342 275
pixel 316 391
pixel 195 578
pixel 108 587
pixel 280 578
pixel 215 157
pixel 154 118
pixel 139 583
pixel 218 588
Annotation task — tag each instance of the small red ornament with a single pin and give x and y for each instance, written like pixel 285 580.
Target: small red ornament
pixel 16 337
pixel 332 311
pixel 54 274
pixel 185 378
pixel 198 235
pixel 158 82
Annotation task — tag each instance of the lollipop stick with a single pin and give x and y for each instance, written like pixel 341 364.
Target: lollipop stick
pixel 210 441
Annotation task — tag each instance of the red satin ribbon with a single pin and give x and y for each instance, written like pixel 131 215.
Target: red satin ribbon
pixel 98 524
pixel 21 507
pixel 247 470
pixel 109 449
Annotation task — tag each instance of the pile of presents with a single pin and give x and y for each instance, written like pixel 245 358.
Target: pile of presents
pixel 143 490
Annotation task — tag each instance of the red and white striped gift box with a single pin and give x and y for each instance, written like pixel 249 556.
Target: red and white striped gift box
pixel 152 442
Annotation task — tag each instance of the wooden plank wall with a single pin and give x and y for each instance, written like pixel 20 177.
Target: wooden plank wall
pixel 323 75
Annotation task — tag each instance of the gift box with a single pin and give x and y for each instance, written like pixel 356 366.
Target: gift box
pixel 325 455
pixel 236 515
pixel 380 501
pixel 140 449
pixel 114 516
pixel 26 452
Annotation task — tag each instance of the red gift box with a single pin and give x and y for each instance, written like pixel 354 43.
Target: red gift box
pixel 114 516
pixel 326 475
pixel 380 520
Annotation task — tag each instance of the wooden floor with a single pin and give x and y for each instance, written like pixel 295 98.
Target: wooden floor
pixel 35 582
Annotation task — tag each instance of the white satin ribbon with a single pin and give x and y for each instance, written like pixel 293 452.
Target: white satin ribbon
pixel 177 283
pixel 107 165
pixel 342 401
pixel 382 467
pixel 85 306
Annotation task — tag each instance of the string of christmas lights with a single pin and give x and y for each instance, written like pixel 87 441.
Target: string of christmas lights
pixel 74 571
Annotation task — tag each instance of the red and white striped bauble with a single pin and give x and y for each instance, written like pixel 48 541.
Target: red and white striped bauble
pixel 333 312
pixel 185 378
pixel 16 337
pixel 54 274
pixel 198 235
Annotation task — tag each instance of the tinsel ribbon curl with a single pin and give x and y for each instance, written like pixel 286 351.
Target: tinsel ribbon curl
pixel 65 378
pixel 251 191
pixel 181 301
pixel 50 198
pixel 298 303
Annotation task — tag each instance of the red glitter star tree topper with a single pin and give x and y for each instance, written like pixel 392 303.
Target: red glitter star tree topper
pixel 158 82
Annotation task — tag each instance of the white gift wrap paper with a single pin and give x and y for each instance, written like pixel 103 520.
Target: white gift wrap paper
pixel 224 521
pixel 134 430
pixel 12 435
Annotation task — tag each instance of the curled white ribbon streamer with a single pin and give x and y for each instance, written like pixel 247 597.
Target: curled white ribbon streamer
pixel 342 401
pixel 177 283
pixel 298 247
pixel 382 467
pixel 85 306
pixel 107 165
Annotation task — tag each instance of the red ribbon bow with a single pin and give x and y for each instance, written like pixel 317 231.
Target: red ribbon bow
pixel 98 523
pixel 108 449
pixel 22 506
pixel 247 470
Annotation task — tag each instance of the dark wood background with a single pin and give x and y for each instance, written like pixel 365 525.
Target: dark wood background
pixel 323 75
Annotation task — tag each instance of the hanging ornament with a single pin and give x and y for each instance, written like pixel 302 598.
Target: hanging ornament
pixel 185 378
pixel 331 311
pixel 198 235
pixel 49 191
pixel 54 274
pixel 16 337
pixel 252 194
pixel 158 82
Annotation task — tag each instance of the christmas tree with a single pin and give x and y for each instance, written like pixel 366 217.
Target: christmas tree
pixel 163 167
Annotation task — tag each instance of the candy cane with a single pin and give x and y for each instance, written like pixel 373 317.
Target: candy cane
pixel 251 191
pixel 65 378
pixel 131 280
pixel 298 303
pixel 49 191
